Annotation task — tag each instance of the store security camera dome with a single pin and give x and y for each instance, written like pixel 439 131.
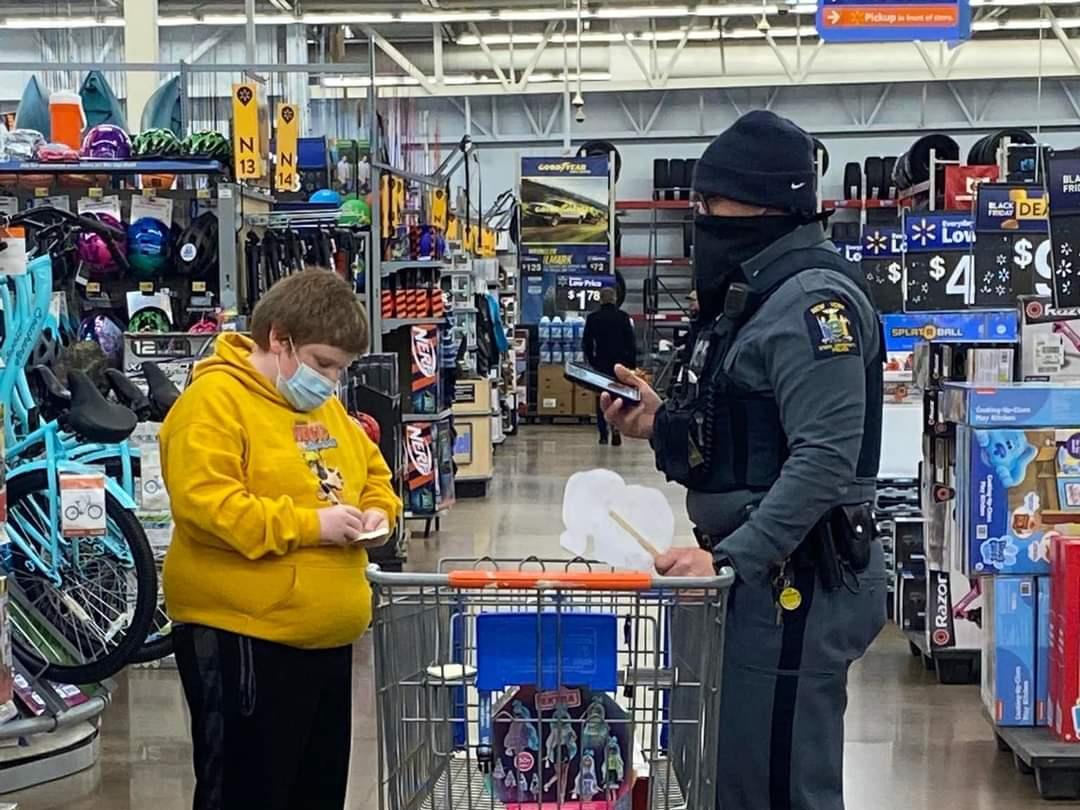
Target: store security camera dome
pixel 763 25
pixel 580 116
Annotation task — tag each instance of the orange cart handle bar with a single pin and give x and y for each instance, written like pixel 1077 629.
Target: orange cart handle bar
pixel 550 580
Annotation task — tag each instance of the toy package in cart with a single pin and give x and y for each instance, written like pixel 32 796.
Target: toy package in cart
pixel 526 685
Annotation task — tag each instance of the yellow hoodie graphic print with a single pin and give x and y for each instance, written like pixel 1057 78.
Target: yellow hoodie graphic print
pixel 246 476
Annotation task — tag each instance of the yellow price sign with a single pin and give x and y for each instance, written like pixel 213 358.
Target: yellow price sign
pixel 93 287
pixel 246 155
pixel 41 192
pixel 149 193
pixel 198 286
pixel 96 193
pixel 287 125
pixel 146 286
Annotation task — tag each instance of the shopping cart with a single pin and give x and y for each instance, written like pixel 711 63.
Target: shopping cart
pixel 513 685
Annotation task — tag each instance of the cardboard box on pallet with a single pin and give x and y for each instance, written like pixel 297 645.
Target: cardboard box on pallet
pixel 1009 661
pixel 1018 489
pixel 1064 684
pixel 1042 652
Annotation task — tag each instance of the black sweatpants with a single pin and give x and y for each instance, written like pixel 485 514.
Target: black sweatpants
pixel 271 725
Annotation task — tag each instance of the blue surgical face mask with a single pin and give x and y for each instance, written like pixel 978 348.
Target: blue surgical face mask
pixel 306 389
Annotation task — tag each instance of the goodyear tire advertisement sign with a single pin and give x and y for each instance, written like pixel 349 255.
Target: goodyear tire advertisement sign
pixel 565 215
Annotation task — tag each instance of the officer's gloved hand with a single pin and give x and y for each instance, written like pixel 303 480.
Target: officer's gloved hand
pixel 632 419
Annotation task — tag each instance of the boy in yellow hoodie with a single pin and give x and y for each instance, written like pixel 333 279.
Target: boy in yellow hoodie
pixel 271 485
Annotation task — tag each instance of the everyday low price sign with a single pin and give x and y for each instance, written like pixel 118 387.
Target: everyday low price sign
pixel 938 267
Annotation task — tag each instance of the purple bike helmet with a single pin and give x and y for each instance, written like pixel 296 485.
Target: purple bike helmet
pixel 106 142
pixel 107 333
pixel 93 250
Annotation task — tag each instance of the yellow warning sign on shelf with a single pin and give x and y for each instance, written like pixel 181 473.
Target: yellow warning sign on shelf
pixel 246 153
pixel 287 126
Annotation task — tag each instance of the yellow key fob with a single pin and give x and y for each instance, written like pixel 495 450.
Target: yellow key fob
pixel 790 599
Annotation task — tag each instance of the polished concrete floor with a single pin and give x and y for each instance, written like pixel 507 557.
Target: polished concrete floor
pixel 911 743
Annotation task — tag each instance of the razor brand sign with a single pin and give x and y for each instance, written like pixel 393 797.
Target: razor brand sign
pixel 943 634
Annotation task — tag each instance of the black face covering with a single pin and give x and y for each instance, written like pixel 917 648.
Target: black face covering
pixel 722 244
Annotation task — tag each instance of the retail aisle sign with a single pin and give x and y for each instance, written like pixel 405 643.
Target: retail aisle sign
pixel 246 154
pixel 287 132
pixel 881 257
pixel 1063 186
pixel 884 21
pixel 938 267
pixel 1011 253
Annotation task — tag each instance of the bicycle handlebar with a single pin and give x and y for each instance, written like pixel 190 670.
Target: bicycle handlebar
pixel 90 224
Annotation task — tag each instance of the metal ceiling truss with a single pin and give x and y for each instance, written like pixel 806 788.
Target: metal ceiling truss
pixel 699 114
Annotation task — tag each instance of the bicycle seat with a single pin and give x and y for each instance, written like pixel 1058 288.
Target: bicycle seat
pixel 51 386
pixel 128 393
pixel 163 393
pixel 95 418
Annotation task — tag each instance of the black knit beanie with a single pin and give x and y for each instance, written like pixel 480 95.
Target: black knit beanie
pixel 761 159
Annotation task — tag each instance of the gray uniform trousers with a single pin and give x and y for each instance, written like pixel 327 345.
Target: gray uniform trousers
pixel 784 691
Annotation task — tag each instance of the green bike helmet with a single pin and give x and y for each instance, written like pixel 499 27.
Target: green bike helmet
pixel 354 212
pixel 149 319
pixel 209 145
pixel 156 143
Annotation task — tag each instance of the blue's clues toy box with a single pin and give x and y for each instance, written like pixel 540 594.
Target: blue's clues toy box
pixel 1016 657
pixel 1011 405
pixel 1016 490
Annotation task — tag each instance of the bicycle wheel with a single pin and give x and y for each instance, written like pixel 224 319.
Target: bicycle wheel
pixel 86 628
pixel 158 642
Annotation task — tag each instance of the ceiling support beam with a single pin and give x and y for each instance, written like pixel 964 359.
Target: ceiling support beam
pixel 399 59
pixel 1063 38
pixel 645 74
pixel 491 58
pixel 534 60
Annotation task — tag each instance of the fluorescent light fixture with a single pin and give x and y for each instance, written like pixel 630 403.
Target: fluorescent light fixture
pixel 458 79
pixel 61 23
pixel 639 12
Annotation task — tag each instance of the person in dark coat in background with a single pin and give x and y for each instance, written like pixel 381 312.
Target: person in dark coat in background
pixel 608 340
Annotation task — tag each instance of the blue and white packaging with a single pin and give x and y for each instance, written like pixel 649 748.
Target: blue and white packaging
pixel 1009 668
pixel 1017 489
pixel 1042 652
pixel 1015 405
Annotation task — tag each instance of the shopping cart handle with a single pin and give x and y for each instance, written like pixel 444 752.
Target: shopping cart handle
pixel 544 580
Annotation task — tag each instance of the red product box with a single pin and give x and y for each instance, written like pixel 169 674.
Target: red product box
pixel 1064 676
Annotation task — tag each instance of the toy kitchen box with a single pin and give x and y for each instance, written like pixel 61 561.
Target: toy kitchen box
pixel 1049 341
pixel 1015 654
pixel 1064 675
pixel 1016 490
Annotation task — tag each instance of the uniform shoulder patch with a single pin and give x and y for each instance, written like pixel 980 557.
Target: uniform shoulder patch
pixel 832 331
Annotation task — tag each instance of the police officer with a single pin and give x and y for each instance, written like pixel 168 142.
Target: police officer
pixel 777 438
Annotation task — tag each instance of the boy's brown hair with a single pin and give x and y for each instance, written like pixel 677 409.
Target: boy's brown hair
pixel 313 306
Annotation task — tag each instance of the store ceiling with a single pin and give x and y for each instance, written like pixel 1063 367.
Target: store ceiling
pixel 645 19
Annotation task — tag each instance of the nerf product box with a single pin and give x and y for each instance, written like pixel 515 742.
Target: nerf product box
pixel 1064 682
pixel 1017 405
pixel 420 375
pixel 429 476
pixel 1020 488
pixel 1049 341
pixel 1042 651
pixel 1010 607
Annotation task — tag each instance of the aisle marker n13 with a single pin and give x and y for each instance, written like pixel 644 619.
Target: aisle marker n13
pixel 287 126
pixel 249 162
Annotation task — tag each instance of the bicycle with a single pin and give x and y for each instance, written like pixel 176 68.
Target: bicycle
pixel 81 605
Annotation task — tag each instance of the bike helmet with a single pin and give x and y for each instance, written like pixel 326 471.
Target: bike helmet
pixel 149 319
pixel 354 212
pixel 148 246
pixel 56 153
pixel 46 350
pixel 107 333
pixel 204 326
pixel 157 143
pixel 93 248
pixel 209 145
pixel 22 144
pixel 197 246
pixel 106 142
pixel 325 196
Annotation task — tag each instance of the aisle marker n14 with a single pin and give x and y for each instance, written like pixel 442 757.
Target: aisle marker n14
pixel 287 126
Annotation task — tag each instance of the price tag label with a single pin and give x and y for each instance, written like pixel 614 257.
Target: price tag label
pixel 198 286
pixel 885 277
pixel 1011 264
pixel 149 193
pixel 204 194
pixel 938 280
pixel 82 505
pixel 95 193
pixel 13 257
pixel 40 193
pixel 93 287
pixel 146 286
pixel 580 293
